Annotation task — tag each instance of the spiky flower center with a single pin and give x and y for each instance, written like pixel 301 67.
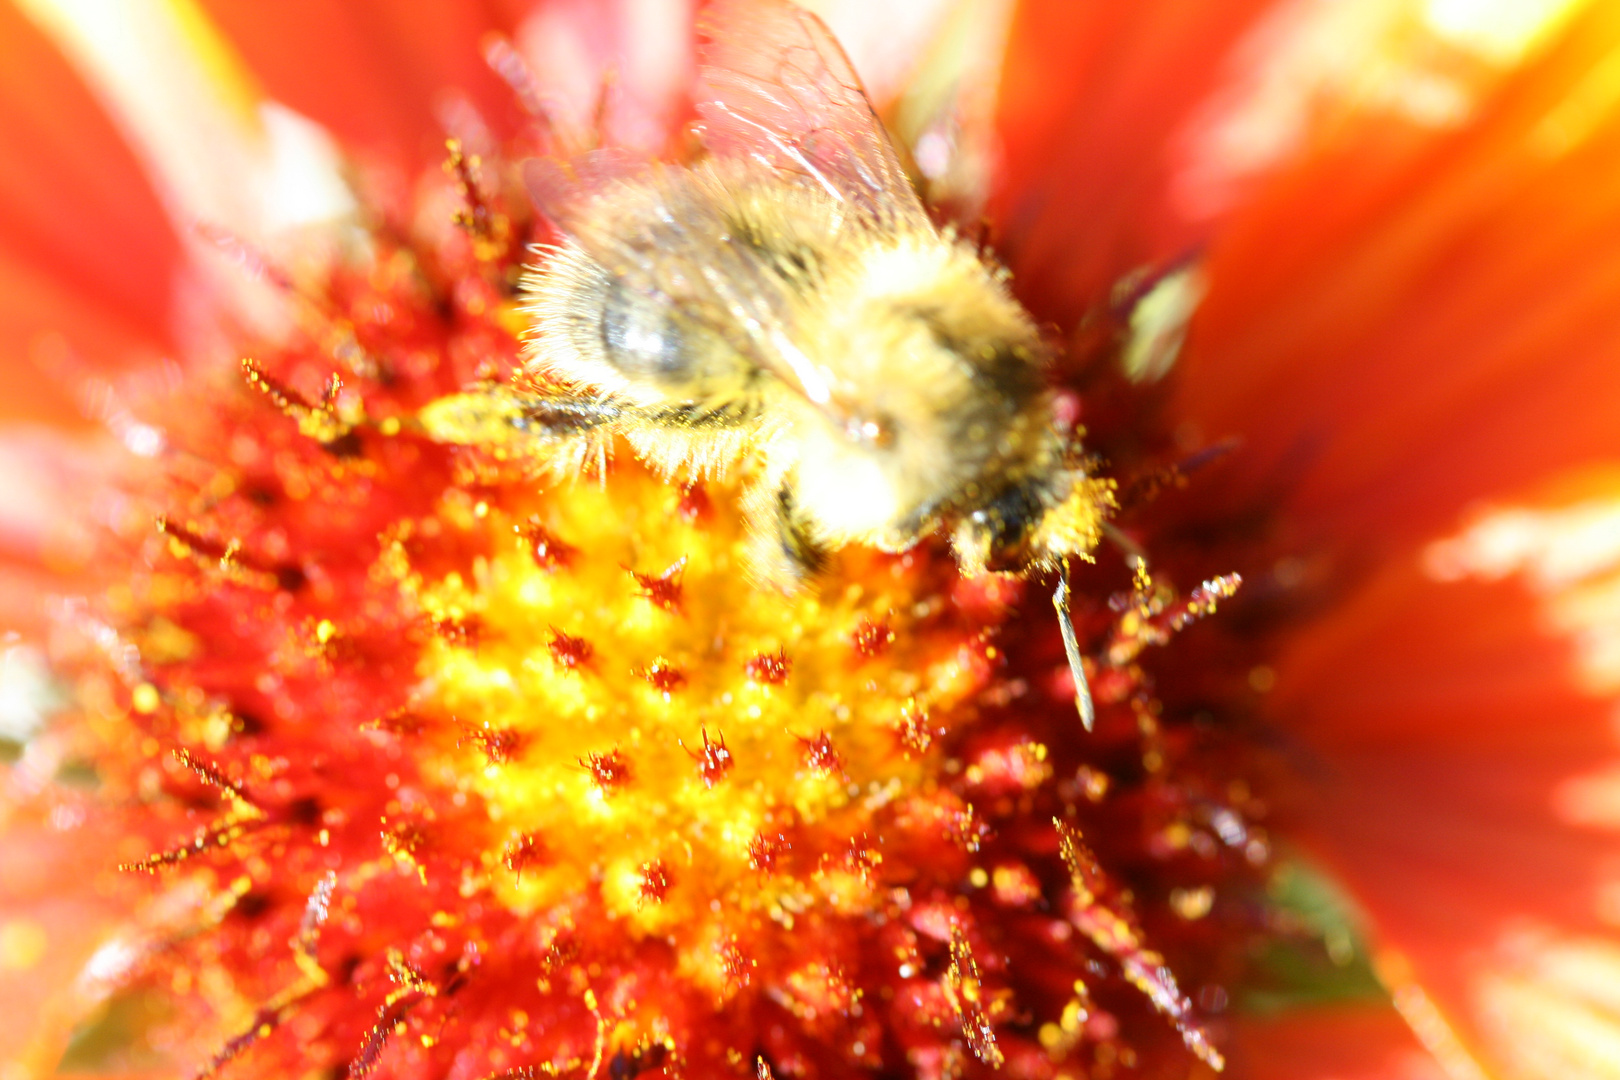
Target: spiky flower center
pixel 645 723
pixel 484 761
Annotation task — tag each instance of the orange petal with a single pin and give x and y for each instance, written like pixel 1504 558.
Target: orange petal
pixel 1458 759
pixel 1349 1043
pixel 373 73
pixel 56 908
pixel 84 247
pixel 220 155
pixel 1091 97
pixel 1411 318
pixel 624 67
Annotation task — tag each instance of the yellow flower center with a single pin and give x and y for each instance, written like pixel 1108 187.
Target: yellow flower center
pixel 644 722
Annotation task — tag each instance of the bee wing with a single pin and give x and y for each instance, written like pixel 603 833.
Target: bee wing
pixel 730 289
pixel 776 87
pixel 563 190
pixel 726 289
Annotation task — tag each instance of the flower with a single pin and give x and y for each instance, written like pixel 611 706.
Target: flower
pixel 1395 292
pixel 440 768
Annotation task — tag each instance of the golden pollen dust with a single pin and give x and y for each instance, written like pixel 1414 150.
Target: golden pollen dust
pixel 663 751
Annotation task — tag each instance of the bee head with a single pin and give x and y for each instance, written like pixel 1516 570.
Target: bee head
pixel 1035 523
pixel 999 534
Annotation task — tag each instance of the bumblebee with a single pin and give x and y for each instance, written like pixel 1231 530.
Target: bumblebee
pixel 788 302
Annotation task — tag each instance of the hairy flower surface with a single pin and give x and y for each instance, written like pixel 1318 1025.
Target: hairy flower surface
pixel 373 756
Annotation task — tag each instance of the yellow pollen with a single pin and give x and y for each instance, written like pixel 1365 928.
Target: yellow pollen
pixel 680 737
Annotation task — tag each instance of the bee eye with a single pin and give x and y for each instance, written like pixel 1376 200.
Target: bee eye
pixel 878 433
pixel 860 425
pixel 640 336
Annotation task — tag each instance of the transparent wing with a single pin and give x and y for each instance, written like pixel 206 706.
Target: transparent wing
pixel 677 257
pixel 776 87
pixel 564 190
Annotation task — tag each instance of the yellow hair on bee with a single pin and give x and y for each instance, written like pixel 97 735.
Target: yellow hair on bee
pixel 1072 528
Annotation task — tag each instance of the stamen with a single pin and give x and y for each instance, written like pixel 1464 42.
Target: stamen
pixel 968 997
pixel 317 420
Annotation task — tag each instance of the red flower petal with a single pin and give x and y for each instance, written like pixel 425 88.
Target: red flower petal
pixel 1409 321
pixel 50 476
pixel 53 915
pixel 1437 722
pixel 1402 324
pixel 1405 321
pixel 1090 99
pixel 1362 1043
pixel 373 73
pixel 84 247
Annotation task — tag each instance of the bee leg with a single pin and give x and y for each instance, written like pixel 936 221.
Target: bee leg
pixel 800 557
pixel 694 440
pixel 549 417
pixel 694 418
pixel 1071 649
pixel 500 416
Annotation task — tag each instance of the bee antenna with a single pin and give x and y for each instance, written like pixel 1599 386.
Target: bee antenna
pixel 1071 649
pixel 1134 552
